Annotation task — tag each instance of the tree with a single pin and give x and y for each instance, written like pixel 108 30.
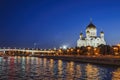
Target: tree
pixel 105 49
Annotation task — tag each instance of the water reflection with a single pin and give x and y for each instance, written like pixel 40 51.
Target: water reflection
pixel 116 74
pixel 31 68
pixel 92 72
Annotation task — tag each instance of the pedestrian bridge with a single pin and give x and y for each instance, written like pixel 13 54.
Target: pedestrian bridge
pixel 24 50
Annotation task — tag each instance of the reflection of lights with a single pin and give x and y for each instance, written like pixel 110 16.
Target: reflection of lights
pixel 71 63
pixel 51 63
pixel 71 67
pixel 44 62
pixel 116 74
pixel 78 71
pixel 60 66
pixel 91 72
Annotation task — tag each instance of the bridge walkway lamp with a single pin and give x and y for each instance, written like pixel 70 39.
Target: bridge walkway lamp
pixel 78 51
pixel 115 50
pixel 64 47
pixel 96 51
pixel 89 50
pixel 32 53
pixel 118 48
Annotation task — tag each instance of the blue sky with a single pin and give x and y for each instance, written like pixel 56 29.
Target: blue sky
pixel 53 23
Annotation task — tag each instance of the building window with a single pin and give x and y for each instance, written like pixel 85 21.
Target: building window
pixel 97 44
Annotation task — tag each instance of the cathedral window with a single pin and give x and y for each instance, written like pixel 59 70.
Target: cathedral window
pixel 97 44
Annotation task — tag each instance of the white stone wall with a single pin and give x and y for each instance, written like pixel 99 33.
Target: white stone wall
pixel 88 42
pixel 93 32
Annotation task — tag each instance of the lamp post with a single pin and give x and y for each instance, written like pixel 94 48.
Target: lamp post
pixel 118 48
pixel 68 51
pixel 89 50
pixel 115 50
pixel 95 51
pixel 60 51
pixel 78 51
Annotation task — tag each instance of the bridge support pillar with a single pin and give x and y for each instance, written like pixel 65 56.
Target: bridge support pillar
pixel 4 52
pixel 32 53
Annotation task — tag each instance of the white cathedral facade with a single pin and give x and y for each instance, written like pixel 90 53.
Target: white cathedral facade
pixel 91 38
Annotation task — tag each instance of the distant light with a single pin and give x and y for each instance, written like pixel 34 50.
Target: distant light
pixel 118 44
pixel 64 47
pixel 54 48
pixel 60 47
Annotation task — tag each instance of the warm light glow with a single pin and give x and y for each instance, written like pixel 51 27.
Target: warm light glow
pixel 89 47
pixel 78 50
pixel 91 71
pixel 60 50
pixel 67 50
pixel 95 49
pixel 115 48
pixel 118 45
pixel 71 49
pixel 96 53
pixel 88 54
pixel 116 74
pixel 116 53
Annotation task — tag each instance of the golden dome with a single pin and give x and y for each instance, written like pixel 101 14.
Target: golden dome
pixel 91 26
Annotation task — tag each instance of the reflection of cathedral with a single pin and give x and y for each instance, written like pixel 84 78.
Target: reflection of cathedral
pixel 91 38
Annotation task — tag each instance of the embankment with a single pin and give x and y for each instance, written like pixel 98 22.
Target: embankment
pixel 107 60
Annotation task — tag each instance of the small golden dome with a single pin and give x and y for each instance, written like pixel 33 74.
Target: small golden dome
pixel 102 32
pixel 81 33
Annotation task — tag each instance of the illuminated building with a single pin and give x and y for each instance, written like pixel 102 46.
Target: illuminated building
pixel 91 38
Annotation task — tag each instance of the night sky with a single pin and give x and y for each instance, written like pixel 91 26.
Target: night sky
pixel 53 23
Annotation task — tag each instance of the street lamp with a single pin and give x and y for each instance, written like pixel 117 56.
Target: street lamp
pixel 115 50
pixel 89 50
pixel 95 51
pixel 78 51
pixel 118 48
pixel 64 47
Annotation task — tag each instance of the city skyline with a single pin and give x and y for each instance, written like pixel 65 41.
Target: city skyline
pixel 50 24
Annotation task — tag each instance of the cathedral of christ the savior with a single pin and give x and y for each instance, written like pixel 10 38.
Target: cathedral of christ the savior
pixel 91 38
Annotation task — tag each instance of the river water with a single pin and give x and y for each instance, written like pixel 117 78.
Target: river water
pixel 32 68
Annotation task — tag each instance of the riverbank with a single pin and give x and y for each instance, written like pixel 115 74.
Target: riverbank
pixel 106 60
